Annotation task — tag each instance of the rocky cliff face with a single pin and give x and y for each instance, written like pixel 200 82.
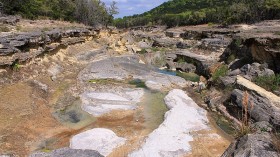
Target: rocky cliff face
pixel 260 45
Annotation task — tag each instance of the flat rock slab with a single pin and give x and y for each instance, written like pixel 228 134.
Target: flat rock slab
pixel 99 139
pixel 274 99
pixel 172 137
pixel 67 152
pixel 98 103
pixel 128 67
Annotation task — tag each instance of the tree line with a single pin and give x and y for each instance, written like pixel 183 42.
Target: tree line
pixel 89 12
pixel 193 12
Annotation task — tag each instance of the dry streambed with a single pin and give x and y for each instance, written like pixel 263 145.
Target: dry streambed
pixel 116 107
pixel 134 121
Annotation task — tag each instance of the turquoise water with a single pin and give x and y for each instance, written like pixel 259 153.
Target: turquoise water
pixel 187 76
pixel 168 72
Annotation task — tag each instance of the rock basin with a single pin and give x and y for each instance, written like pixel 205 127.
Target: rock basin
pixel 174 136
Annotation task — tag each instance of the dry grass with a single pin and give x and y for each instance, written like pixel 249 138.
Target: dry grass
pixel 247 106
pixel 276 141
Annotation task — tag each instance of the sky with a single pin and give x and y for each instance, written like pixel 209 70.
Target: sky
pixel 131 7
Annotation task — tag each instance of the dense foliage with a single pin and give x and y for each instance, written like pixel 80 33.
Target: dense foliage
pixel 192 12
pixel 89 12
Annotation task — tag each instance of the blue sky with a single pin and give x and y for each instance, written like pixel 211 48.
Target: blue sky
pixel 131 7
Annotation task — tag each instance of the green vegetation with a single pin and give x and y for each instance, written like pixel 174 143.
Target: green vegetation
pixel 277 33
pixel 143 51
pixel 270 83
pixel 189 76
pixel 181 60
pixel 4 28
pixel 230 58
pixel 89 12
pixel 155 49
pixel 138 83
pixel 220 72
pixel 105 81
pixel 224 124
pixel 192 12
pixel 237 42
pixel 15 66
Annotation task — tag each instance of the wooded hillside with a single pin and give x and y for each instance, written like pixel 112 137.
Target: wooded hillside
pixel 192 12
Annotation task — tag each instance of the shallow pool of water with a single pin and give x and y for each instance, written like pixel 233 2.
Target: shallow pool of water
pixel 168 72
pixel 187 76
pixel 154 109
pixel 73 116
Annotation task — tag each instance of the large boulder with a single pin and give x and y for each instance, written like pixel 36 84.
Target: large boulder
pixel 99 139
pixel 262 109
pixel 255 69
pixel 248 71
pixel 164 42
pixel 214 43
pixel 173 33
pixel 201 62
pixel 252 145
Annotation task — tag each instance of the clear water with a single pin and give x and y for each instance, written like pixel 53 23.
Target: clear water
pixel 168 72
pixel 73 116
pixel 154 109
pixel 187 76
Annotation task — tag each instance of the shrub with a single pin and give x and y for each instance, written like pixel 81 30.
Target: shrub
pixel 220 72
pixel 143 51
pixel 189 76
pixel 231 58
pixel 4 28
pixel 270 83
pixel 277 33
pixel 138 83
pixel 181 60
pixel 210 24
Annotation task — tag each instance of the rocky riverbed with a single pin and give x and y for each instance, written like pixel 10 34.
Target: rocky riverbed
pixel 108 92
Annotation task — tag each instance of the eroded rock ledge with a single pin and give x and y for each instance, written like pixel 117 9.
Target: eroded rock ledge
pixel 21 47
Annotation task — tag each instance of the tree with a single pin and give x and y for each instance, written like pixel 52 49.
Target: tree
pixel 112 10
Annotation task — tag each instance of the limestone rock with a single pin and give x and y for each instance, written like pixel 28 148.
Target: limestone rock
pixel 68 152
pixel 121 68
pixel 164 42
pixel 274 99
pixel 252 145
pixel 153 85
pixel 15 46
pixel 99 139
pixel 98 103
pixel 172 137
pixel 173 33
pixel 202 62
pixel 262 110
pixel 54 70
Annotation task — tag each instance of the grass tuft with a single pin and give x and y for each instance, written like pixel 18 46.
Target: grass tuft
pixel 270 83
pixel 219 72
